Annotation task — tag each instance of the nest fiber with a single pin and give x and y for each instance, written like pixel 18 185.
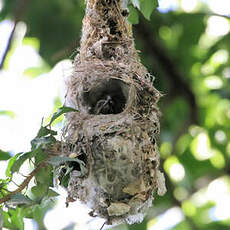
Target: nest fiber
pixel 115 131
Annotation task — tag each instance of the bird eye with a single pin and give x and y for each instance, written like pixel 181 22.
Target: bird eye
pixel 108 97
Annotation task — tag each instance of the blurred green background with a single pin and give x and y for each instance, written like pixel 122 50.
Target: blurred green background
pixel 186 46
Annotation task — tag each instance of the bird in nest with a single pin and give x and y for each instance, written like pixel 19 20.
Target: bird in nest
pixel 105 105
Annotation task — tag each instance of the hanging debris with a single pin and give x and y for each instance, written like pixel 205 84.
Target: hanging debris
pixel 115 131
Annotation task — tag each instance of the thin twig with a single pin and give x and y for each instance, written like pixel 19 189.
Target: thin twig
pixel 18 12
pixel 8 46
pixel 14 183
pixel 24 183
pixel 103 225
pixel 219 15
pixel 54 150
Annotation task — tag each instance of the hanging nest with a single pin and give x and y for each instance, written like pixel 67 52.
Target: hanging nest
pixel 115 131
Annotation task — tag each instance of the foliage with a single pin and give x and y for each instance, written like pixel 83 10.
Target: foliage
pixel 32 202
pixel 146 7
pixel 192 63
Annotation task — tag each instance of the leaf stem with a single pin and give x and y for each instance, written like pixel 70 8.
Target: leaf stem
pixel 24 183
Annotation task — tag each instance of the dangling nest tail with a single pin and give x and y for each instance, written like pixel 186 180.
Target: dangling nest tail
pixel 115 131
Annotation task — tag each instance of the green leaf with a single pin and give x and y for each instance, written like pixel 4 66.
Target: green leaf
pixel 184 225
pixel 147 7
pixel 38 213
pixel 45 176
pixel 3 187
pixel 52 193
pixel 18 199
pixel 136 3
pixel 64 181
pixel 36 71
pixel 6 220
pixel 61 111
pixel 17 218
pixel 18 163
pixel 27 211
pixel 39 156
pixel 4 156
pixel 40 190
pixel 32 41
pixel 44 131
pixel 10 164
pixel 133 15
pixel 8 113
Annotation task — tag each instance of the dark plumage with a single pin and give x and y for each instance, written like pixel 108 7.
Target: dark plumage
pixel 104 106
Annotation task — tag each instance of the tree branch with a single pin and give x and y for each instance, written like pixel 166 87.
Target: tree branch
pixel 18 13
pixel 219 15
pixel 24 184
pixel 154 48
pixel 54 150
pixel 8 46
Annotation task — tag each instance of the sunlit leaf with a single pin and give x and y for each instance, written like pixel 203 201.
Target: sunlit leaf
pixel 52 193
pixel 32 41
pixel 8 113
pixel 45 176
pixel 217 159
pixel 200 147
pixel 38 213
pixel 36 71
pixel 213 82
pixel 6 219
pixel 18 163
pixel 183 143
pixel 184 225
pixel 39 155
pixel 44 131
pixel 4 155
pixel 3 187
pixel 40 190
pixel 10 164
pixel 147 7
pixel 189 208
pixel 136 3
pixel 61 111
pixel 133 15
pixel 165 149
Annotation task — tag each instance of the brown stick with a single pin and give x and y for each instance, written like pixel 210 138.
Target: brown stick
pixel 24 183
pixel 18 13
pixel 8 46
pixel 154 48
pixel 55 150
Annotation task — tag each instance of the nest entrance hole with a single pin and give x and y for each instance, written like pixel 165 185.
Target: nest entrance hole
pixel 107 97
pixel 75 165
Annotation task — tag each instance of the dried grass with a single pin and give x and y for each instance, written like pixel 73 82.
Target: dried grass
pixel 119 149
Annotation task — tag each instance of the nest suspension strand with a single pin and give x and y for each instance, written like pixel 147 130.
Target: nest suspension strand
pixel 115 130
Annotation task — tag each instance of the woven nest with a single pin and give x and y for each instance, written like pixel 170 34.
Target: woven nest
pixel 115 131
